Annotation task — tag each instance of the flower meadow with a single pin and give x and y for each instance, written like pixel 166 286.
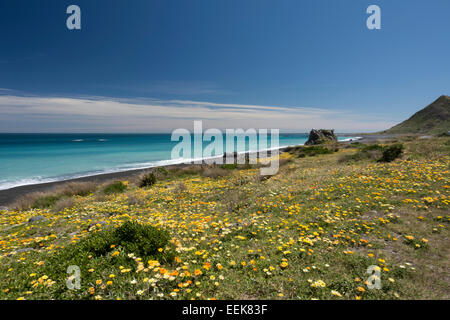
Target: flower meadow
pixel 309 232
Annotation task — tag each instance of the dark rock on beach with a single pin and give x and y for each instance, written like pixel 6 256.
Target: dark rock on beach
pixel 321 136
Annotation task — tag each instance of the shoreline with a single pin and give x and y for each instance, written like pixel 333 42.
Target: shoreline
pixel 9 196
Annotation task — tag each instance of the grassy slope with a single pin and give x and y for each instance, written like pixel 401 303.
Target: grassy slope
pixel 434 119
pixel 309 232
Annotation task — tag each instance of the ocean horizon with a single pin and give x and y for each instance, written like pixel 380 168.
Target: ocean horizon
pixel 27 159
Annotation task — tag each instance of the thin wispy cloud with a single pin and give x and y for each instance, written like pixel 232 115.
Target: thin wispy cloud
pixel 106 114
pixel 174 88
pixel 183 88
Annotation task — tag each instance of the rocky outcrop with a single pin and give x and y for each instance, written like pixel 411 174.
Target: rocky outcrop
pixel 321 136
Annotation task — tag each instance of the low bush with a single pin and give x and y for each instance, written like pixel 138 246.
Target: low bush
pixel 161 171
pixel 392 152
pixel 371 147
pixel 144 241
pixel 311 151
pixel 148 180
pixel 375 152
pixel 45 202
pixel 229 166
pixel 96 251
pixel 365 152
pixel 115 187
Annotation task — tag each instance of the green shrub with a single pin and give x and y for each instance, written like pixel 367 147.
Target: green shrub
pixel 148 180
pixel 229 166
pixel 94 251
pixel 115 187
pixel 143 240
pixel 162 171
pixel 392 152
pixel 312 151
pixel 98 243
pixel 132 237
pixel 365 152
pixel 45 201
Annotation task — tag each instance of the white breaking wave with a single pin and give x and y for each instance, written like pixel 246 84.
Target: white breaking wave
pixel 351 139
pixel 4 185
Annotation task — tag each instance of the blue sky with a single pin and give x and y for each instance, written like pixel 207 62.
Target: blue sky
pixel 144 66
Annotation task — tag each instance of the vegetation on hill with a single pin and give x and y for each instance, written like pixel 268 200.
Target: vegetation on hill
pixel 434 119
pixel 309 232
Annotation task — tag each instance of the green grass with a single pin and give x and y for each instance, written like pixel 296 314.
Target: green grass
pixel 45 201
pixel 115 187
pixel 392 152
pixel 311 151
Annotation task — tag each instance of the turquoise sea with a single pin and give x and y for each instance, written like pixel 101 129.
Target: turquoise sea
pixel 37 158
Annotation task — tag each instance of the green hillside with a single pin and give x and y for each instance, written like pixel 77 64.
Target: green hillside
pixel 433 119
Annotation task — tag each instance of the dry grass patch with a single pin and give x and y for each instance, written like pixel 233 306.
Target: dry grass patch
pixel 63 203
pixel 75 189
